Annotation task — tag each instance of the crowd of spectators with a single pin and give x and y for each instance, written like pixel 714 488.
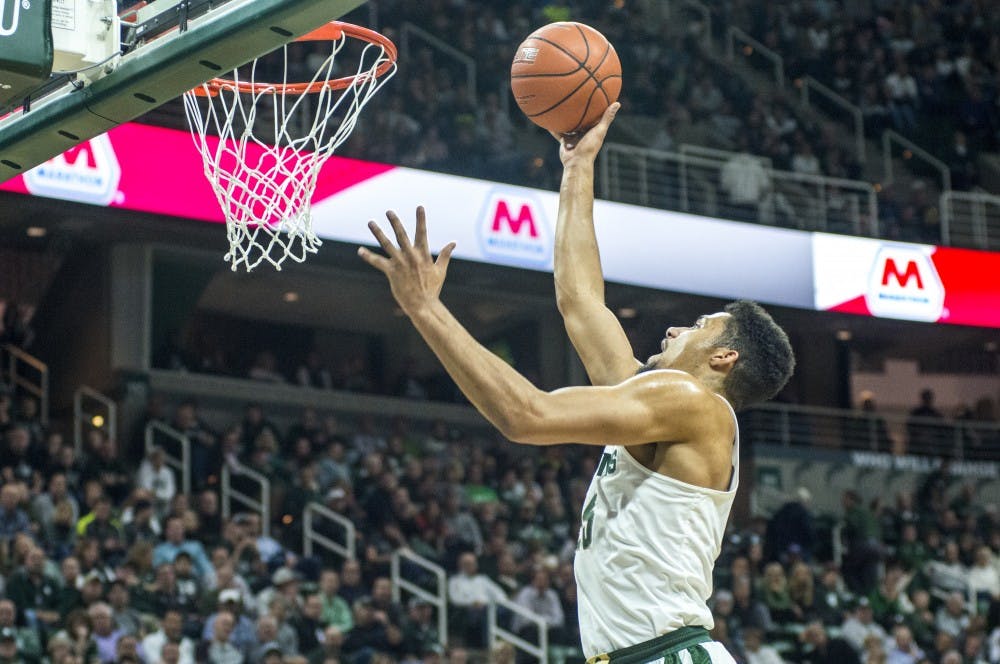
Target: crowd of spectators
pixel 430 119
pixel 100 563
pixel 926 69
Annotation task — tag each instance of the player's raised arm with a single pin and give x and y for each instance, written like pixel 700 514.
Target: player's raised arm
pixel 593 328
pixel 645 409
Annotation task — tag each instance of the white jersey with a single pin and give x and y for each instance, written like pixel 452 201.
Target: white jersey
pixel 646 550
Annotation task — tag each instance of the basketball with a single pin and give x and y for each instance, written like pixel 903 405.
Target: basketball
pixel 564 76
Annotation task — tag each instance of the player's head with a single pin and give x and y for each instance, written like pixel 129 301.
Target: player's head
pixel 766 360
pixel 742 347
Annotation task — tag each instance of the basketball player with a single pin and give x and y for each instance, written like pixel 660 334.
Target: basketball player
pixel 655 513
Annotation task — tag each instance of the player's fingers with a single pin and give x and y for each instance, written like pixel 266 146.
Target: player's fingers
pixel 383 240
pixel 380 263
pixel 609 115
pixel 402 239
pixel 420 239
pixel 445 256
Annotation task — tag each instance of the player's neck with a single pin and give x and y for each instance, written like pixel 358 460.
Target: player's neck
pixel 711 379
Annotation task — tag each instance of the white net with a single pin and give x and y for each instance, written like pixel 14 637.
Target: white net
pixel 263 149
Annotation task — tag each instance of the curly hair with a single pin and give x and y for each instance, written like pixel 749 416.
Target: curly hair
pixel 766 360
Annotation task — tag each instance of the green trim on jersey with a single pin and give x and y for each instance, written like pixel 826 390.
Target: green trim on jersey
pixel 667 646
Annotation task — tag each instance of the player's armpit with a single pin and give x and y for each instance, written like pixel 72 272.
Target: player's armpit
pixel 658 406
pixel 600 341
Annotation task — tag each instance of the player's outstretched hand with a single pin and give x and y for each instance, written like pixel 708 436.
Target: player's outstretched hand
pixel 414 276
pixel 586 145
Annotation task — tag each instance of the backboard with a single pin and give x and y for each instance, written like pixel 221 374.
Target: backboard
pixel 173 46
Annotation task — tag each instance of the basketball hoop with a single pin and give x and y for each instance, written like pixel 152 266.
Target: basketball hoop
pixel 263 159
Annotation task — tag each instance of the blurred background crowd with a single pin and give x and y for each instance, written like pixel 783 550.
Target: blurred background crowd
pixel 104 558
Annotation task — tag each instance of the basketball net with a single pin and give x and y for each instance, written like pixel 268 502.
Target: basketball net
pixel 263 144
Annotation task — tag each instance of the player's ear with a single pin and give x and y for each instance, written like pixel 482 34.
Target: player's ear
pixel 723 359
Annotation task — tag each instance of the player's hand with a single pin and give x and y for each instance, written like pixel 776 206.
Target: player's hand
pixel 585 146
pixel 414 276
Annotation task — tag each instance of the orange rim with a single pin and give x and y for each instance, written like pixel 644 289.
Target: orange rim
pixel 332 31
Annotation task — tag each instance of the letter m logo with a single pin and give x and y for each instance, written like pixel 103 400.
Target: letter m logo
pixel 513 229
pixel 904 283
pixel 502 217
pixel 902 279
pixel 73 154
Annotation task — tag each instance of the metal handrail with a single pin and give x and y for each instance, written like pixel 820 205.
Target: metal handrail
pixel 80 415
pixel 809 426
pixel 40 388
pixel 495 631
pixel 346 550
pixel 262 506
pixel 469 63
pixel 979 221
pixel 438 599
pixel 807 83
pixel 733 34
pixel 646 163
pixel 183 464
pixel 689 149
pixel 837 543
pixel 889 137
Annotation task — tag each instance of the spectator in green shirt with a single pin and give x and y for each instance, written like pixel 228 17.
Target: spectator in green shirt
pixel 912 553
pixel 336 611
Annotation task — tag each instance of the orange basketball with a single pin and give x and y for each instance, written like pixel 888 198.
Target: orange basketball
pixel 564 75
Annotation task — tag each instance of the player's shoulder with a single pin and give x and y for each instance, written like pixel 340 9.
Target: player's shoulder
pixel 682 392
pixel 673 380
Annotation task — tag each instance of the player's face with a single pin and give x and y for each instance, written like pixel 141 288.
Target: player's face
pixel 683 347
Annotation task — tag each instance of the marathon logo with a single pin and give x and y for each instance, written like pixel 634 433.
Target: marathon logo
pixel 903 283
pixel 86 173
pixel 513 230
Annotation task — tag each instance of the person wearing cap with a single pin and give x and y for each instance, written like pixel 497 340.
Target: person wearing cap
pixel 92 588
pixel 171 631
pixel 8 647
pixel 241 633
pixel 272 655
pixel 144 525
pixel 860 624
pixel 284 582
pixel 420 634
